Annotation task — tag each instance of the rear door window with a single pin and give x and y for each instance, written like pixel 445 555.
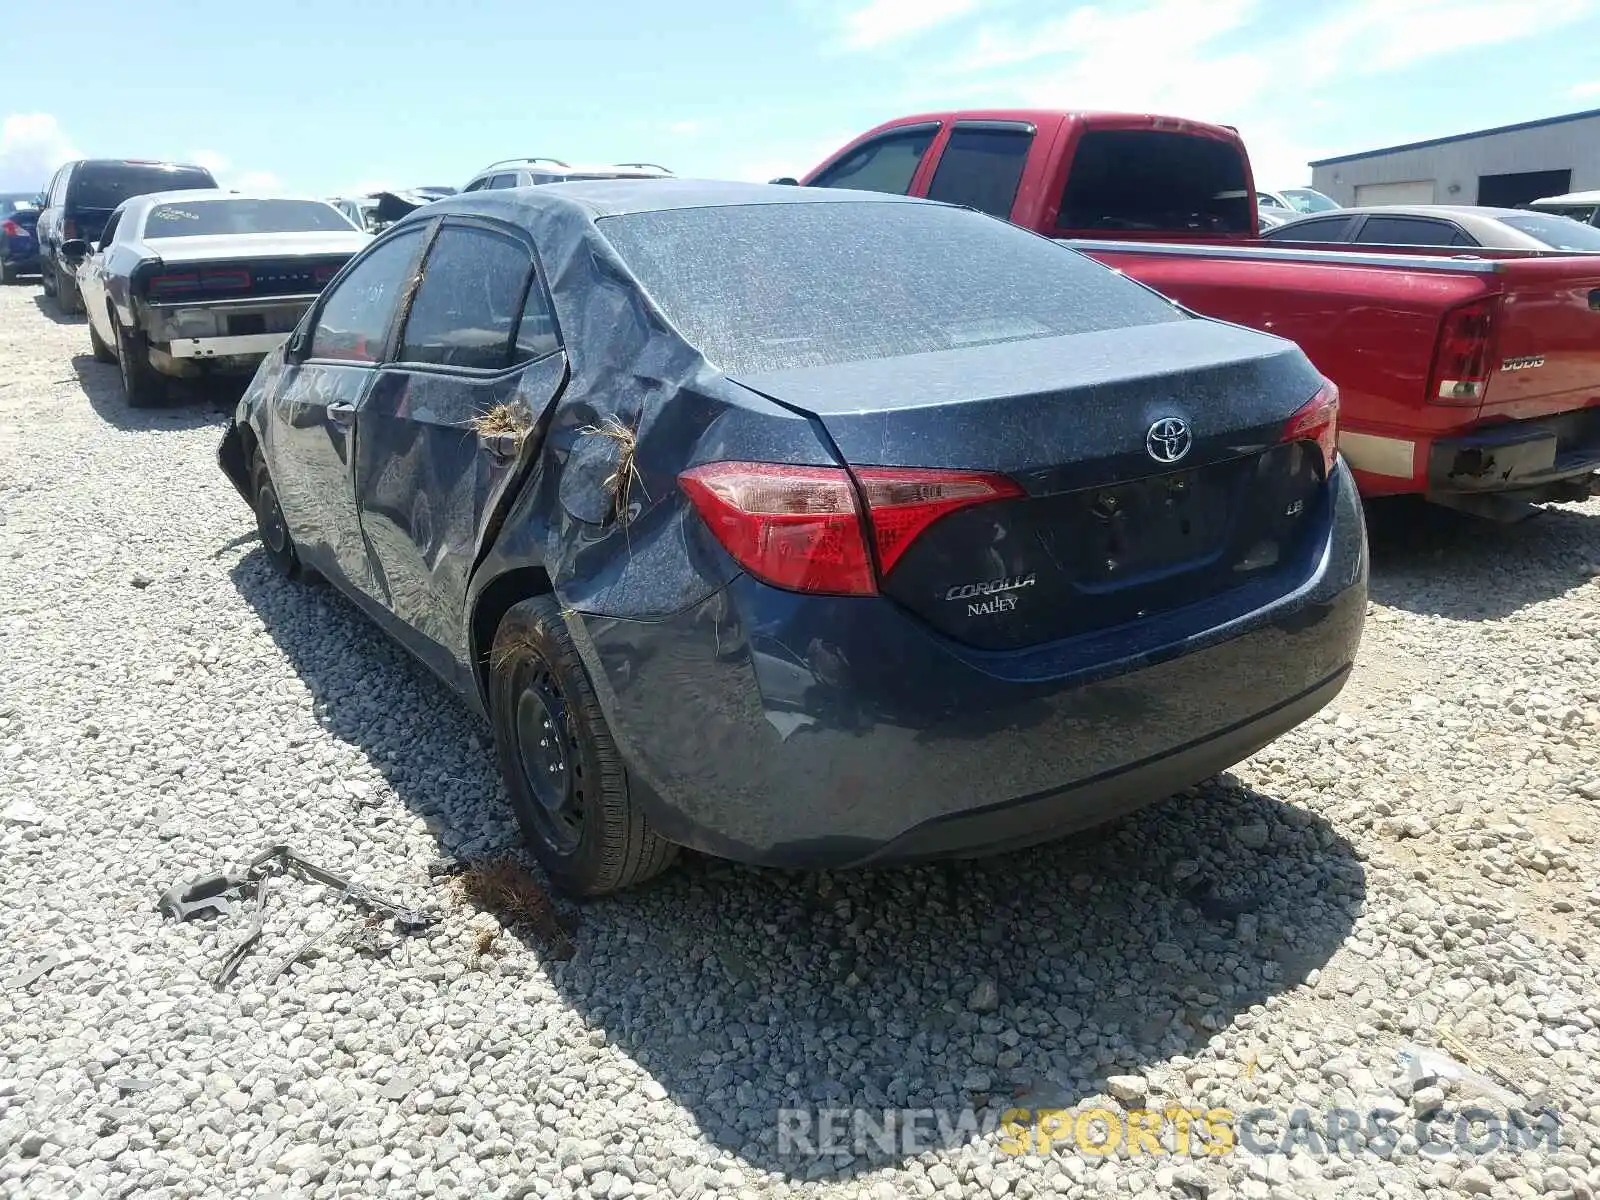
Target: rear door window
pixel 469 301
pixel 106 185
pixel 885 164
pixel 981 167
pixel 353 323
pixel 1320 229
pixel 504 181
pixel 1411 231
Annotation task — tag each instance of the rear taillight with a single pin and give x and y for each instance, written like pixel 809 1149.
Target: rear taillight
pixel 220 280
pixel 173 285
pixel 801 528
pixel 10 229
pixel 1464 354
pixel 1317 420
pixel 190 283
pixel 321 275
pixel 69 229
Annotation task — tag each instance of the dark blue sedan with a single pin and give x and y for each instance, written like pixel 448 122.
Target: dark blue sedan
pixel 19 245
pixel 808 527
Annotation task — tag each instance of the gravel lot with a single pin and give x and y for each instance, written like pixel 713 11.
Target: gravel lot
pixel 1415 865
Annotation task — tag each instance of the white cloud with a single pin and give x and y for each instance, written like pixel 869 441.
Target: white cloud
pixel 685 128
pixel 1234 62
pixel 32 146
pixel 1375 36
pixel 880 22
pixel 232 178
pixel 1585 91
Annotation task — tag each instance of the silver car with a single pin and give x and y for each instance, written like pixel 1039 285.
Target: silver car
pixel 1460 226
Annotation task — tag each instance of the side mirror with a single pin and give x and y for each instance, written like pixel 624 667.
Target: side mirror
pixel 74 250
pixel 788 180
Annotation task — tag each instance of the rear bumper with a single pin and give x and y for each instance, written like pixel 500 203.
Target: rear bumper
pixel 256 344
pixel 811 731
pixel 1534 458
pixel 1518 456
pixel 22 260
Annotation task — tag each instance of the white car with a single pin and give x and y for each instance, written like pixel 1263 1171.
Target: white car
pixel 531 172
pixel 1296 201
pixel 1583 207
pixel 193 282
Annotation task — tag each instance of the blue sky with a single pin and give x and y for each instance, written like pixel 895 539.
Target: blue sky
pixel 425 93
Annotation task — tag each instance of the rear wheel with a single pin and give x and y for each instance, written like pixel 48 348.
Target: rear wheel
pixel 8 273
pixel 270 524
pixel 102 352
pixel 142 384
pixel 67 298
pixel 568 785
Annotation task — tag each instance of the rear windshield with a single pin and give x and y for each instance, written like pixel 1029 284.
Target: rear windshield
pixel 769 286
pixel 1559 233
pixel 243 216
pixel 1140 179
pixel 106 185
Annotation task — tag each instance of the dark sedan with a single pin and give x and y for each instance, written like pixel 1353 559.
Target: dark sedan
pixel 808 527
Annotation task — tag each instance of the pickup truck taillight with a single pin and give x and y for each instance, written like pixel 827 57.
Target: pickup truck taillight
pixel 1317 420
pixel 1464 354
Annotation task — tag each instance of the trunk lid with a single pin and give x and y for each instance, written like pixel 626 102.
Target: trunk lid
pixel 1547 339
pixel 189 270
pixel 1105 533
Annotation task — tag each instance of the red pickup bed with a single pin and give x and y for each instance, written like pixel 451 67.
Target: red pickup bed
pixel 1472 380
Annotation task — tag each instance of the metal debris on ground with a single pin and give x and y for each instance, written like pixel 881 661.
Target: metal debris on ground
pixel 221 892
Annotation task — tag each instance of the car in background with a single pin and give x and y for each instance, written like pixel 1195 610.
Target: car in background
pixel 1459 226
pixel 194 282
pixel 531 172
pixel 1270 218
pixel 377 211
pixel 19 244
pixel 1583 207
pixel 82 195
pixel 806 526
pixel 1297 200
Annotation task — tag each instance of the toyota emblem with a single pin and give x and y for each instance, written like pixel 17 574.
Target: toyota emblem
pixel 1168 439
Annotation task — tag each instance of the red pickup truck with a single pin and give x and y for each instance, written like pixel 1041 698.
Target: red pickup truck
pixel 1473 380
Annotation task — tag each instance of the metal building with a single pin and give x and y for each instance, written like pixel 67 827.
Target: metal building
pixel 1506 167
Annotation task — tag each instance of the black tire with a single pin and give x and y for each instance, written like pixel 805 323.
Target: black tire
pixel 587 831
pixel 47 277
pixel 276 539
pixel 67 298
pixel 8 273
pixel 102 352
pixel 142 384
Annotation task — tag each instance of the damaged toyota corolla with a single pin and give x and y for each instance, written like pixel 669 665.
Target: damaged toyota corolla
pixel 808 527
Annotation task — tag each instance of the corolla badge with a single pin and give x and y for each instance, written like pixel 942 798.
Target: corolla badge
pixel 1168 439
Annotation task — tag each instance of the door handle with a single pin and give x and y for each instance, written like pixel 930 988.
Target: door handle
pixel 342 412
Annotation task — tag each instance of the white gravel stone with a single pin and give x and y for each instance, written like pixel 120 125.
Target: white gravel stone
pixel 1387 871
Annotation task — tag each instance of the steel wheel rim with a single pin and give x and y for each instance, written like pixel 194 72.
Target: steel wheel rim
pixel 274 530
pixel 547 752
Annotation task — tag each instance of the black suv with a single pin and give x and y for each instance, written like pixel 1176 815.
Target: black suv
pixel 83 194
